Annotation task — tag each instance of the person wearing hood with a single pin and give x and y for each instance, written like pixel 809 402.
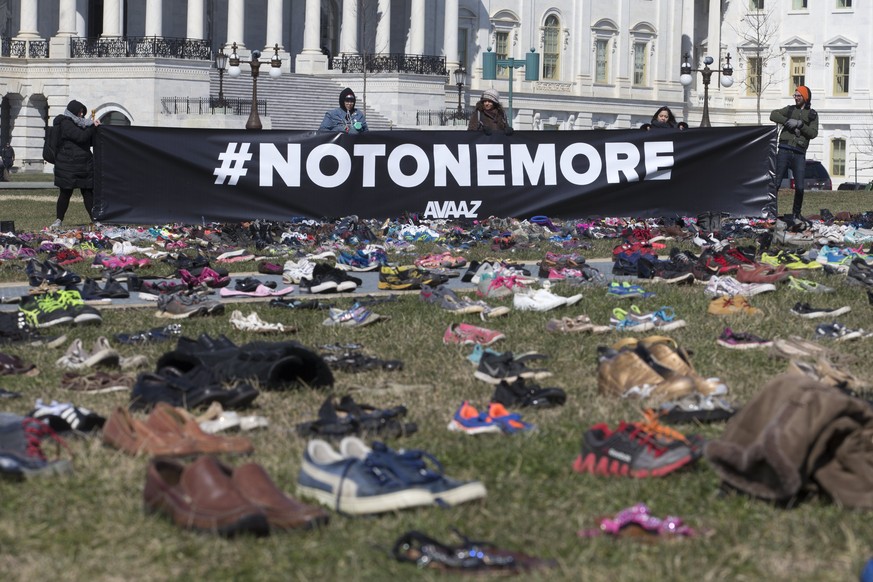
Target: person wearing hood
pixel 489 115
pixel 663 119
pixel 74 162
pixel 799 125
pixel 7 157
pixel 345 118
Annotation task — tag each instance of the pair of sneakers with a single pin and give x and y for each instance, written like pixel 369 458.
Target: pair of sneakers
pixel 497 419
pixel 360 479
pixel 58 307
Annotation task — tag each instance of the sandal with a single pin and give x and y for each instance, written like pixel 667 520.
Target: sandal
pixel 99 382
pixel 12 365
pixel 468 557
pixel 356 420
pixel 637 522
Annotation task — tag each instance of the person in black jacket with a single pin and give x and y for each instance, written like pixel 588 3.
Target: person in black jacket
pixel 7 156
pixel 74 162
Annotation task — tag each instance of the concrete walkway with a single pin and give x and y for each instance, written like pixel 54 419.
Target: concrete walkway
pixel 27 185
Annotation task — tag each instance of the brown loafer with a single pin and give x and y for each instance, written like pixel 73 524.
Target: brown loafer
pixel 201 497
pixel 165 418
pixel 282 511
pixel 124 432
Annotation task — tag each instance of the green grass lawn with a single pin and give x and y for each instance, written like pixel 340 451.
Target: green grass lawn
pixel 91 525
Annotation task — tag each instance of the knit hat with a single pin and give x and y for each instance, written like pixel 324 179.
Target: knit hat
pixel 805 93
pixel 75 107
pixel 491 95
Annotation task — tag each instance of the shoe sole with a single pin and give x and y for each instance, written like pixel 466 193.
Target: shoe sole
pixel 456 426
pixel 741 346
pixel 461 494
pixel 817 314
pixel 368 505
pixel 611 467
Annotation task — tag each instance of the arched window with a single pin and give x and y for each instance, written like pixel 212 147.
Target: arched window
pixel 551 48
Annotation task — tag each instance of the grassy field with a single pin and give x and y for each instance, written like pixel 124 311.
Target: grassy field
pixel 91 525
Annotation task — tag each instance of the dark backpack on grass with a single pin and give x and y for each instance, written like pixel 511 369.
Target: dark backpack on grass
pixel 51 143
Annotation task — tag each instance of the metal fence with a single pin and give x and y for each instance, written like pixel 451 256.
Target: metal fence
pixel 141 46
pixel 210 106
pixel 32 49
pixel 447 117
pixel 393 63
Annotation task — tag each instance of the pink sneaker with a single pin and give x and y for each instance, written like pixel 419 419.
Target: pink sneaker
pixel 466 334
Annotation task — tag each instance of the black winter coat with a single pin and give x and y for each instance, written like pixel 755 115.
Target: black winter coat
pixel 74 163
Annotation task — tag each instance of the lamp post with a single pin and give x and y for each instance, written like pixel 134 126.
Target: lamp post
pixel 726 80
pixel 531 64
pixel 460 79
pixel 221 65
pixel 254 121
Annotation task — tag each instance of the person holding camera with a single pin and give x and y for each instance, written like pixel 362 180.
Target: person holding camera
pixel 345 118
pixel 799 126
pixel 489 115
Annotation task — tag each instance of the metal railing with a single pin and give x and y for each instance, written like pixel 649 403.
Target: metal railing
pixel 393 63
pixel 209 105
pixel 447 117
pixel 32 49
pixel 141 46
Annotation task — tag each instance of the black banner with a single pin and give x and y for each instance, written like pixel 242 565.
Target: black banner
pixel 156 175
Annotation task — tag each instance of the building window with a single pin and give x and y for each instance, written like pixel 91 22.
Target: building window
pixel 601 60
pixel 756 4
pixel 841 75
pixel 844 3
pixel 753 76
pixel 798 4
pixel 838 157
pixel 501 49
pixel 641 61
pixel 798 74
pixel 551 47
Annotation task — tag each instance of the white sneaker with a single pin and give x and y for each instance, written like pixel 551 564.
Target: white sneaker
pixel 294 271
pixel 540 300
pixel 56 224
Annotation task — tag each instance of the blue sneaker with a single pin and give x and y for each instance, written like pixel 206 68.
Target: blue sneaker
pixel 413 467
pixel 355 486
pixel 625 289
pixel 469 420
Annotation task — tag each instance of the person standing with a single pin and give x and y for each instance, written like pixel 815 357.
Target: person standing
pixel 7 156
pixel 345 118
pixel 489 115
pixel 74 162
pixel 799 126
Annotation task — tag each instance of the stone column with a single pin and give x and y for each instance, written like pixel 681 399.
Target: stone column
pixel 195 19
pixel 236 21
pixel 383 28
pixel 111 18
pixel 154 17
pixel 349 31
pixel 416 28
pixel 27 14
pixel 450 36
pixel 67 18
pixel 310 59
pixel 275 10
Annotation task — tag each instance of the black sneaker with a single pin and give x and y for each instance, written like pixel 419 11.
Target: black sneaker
pixel 806 311
pixel 45 311
pixel 497 368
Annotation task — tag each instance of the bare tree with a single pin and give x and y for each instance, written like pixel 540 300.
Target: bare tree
pixel 757 34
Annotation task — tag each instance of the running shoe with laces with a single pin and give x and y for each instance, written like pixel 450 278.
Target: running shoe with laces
pixel 466 334
pixel 630 451
pixel 21 454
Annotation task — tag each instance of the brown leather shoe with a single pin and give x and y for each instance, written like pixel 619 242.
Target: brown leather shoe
pixel 282 511
pixel 123 431
pixel 202 497
pixel 165 418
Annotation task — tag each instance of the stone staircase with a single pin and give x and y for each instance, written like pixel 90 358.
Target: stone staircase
pixel 295 102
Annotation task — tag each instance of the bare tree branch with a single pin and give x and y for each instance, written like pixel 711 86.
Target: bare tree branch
pixel 757 34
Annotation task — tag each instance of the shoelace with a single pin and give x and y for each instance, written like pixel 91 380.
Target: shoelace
pixel 652 426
